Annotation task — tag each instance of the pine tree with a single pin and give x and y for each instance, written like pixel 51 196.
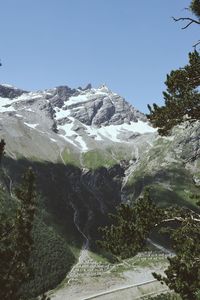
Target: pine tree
pixel 183 272
pixel 16 241
pixel 182 97
pixel 130 227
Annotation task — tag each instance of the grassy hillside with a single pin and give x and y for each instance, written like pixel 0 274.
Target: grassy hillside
pixel 106 157
pixel 96 158
pixel 170 186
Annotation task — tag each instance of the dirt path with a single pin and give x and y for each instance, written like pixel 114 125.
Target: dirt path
pixel 89 278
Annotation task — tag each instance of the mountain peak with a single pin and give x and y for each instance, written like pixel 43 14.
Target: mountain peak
pixel 82 118
pixel 104 88
pixel 9 91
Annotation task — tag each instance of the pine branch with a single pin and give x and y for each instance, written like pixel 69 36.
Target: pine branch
pixel 179 219
pixel 195 45
pixel 190 21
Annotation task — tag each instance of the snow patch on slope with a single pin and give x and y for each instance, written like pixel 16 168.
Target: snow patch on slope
pixel 67 128
pixel 82 143
pixel 31 125
pixel 111 132
pixel 69 133
pixel 77 99
pixel 6 105
pixel 61 113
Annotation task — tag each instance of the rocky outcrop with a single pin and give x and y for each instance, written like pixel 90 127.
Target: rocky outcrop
pixel 7 91
pixel 104 108
pixel 59 95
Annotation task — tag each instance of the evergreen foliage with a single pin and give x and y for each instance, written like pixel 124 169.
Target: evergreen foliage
pixel 50 260
pixel 130 227
pixel 182 97
pixel 16 241
pixel 183 272
pixel 164 296
pixel 195 8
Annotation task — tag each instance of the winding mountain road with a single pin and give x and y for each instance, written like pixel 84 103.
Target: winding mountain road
pixel 128 287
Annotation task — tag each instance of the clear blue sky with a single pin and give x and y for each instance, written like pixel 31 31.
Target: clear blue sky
pixel 128 44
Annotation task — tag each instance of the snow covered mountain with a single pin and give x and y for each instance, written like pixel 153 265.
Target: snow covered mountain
pixel 54 123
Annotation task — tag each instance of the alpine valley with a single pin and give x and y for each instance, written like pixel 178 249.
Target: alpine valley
pixel 90 150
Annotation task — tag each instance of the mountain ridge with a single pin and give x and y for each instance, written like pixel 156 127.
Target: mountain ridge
pixel 80 120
